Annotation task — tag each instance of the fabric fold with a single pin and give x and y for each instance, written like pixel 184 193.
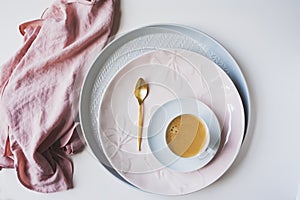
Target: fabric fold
pixel 40 87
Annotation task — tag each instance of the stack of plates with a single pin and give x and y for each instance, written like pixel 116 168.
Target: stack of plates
pixel 177 62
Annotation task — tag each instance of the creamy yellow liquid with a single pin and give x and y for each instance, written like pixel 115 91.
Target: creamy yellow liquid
pixel 186 135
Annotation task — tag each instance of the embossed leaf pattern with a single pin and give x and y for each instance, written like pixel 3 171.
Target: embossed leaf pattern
pixel 115 138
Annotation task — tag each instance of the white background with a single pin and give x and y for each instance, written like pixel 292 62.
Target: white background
pixel 263 36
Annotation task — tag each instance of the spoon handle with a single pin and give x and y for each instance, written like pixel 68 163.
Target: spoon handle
pixel 140 126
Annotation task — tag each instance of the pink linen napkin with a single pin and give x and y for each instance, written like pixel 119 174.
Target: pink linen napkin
pixel 39 91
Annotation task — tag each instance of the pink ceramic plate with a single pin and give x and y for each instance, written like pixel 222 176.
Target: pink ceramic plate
pixel 170 74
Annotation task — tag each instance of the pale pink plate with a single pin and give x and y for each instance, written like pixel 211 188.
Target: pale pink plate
pixel 171 74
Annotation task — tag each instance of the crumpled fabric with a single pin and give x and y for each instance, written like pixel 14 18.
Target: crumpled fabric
pixel 40 87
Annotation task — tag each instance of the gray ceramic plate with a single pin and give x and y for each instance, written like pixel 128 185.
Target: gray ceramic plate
pixel 130 46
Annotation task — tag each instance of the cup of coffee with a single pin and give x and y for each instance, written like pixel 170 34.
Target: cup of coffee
pixel 187 136
pixel 184 134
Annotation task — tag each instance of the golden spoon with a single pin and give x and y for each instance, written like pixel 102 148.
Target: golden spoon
pixel 140 92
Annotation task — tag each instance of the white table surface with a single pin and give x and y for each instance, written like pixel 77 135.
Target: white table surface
pixel 264 37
